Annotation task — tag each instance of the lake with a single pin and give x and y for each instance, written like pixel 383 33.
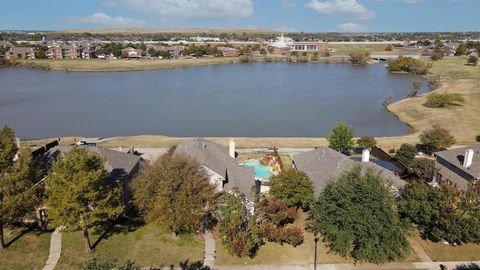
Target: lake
pixel 258 99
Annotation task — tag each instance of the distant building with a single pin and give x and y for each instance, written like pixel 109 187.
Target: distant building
pixel 229 52
pixel 287 44
pixel 20 53
pixel 131 53
pixel 458 167
pixel 324 165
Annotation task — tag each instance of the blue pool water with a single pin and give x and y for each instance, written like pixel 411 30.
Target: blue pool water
pixel 261 171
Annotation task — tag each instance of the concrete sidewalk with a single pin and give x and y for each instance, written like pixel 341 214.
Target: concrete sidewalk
pixel 390 266
pixel 55 249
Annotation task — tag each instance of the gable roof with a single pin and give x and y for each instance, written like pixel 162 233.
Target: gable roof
pixel 456 157
pixel 216 157
pixel 323 165
pixel 118 164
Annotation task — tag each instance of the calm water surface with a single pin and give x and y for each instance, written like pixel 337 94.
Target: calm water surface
pixel 260 99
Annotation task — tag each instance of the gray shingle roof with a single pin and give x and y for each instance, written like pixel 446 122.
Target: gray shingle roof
pixel 216 157
pixel 456 156
pixel 118 164
pixel 323 165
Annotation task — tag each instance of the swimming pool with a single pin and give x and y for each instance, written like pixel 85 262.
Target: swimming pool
pixel 261 172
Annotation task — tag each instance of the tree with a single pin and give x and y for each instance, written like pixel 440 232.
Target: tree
pixel 18 194
pixel 341 138
pixel 237 229
pixel 269 209
pixel 79 193
pixel 424 168
pixel 437 53
pixel 367 142
pixel 472 60
pixel 357 218
pixel 359 58
pixel 436 139
pixel 293 188
pixel 442 213
pixel 406 154
pixel 174 193
pixel 8 149
pixel 389 48
pixel 461 49
pixel 409 64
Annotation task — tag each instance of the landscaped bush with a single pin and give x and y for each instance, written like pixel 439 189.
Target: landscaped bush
pixel 409 64
pixel 359 58
pixel 442 100
pixel 291 235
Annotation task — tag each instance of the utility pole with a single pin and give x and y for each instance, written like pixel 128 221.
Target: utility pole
pixel 315 256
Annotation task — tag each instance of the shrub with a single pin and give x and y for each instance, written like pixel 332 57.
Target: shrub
pixel 477 138
pixel 443 100
pixel 437 54
pixel 424 168
pixel 409 64
pixel 434 82
pixel 406 154
pixel 437 138
pixel 389 48
pixel 472 60
pixel 291 235
pixel 359 58
pixel 367 142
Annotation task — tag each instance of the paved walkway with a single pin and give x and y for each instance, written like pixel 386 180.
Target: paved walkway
pixel 209 256
pixel 55 249
pixel 419 250
pixel 390 266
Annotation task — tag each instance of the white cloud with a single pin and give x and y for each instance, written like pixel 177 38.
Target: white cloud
pixel 188 9
pixel 102 19
pixel 351 27
pixel 343 8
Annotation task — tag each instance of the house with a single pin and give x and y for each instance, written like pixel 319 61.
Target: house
pixel 323 165
pixel 459 167
pixel 229 52
pixel 20 53
pixel 122 167
pixel 131 53
pixel 220 166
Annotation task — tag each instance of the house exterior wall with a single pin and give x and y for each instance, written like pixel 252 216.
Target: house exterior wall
pixel 214 179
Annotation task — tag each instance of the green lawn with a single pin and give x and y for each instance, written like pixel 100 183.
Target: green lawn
pixel 146 246
pixel 30 251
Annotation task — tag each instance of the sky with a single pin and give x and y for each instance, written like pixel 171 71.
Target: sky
pixel 279 15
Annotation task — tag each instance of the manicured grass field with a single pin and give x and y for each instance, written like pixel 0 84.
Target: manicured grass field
pixel 146 245
pixel 462 121
pixel 30 251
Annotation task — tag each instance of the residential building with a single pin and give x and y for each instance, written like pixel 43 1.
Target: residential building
pixel 122 167
pixel 459 167
pixel 20 53
pixel 324 165
pixel 131 53
pixel 220 166
pixel 229 52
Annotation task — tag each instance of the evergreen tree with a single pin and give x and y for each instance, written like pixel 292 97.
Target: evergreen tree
pixel 18 193
pixel 356 216
pixel 406 154
pixel 79 193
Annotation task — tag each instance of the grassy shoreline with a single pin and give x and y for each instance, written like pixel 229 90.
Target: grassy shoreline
pixel 462 121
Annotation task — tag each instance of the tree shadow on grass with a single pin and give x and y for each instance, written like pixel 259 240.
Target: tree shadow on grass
pixel 31 229
pixel 470 266
pixel 186 265
pixel 123 225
